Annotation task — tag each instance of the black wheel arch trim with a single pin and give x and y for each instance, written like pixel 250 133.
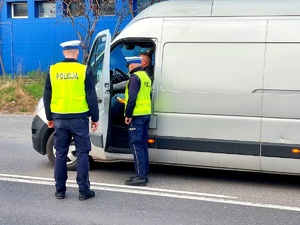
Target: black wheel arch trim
pixel 40 134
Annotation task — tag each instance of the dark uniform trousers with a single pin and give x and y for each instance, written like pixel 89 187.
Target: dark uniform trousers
pixel 64 130
pixel 138 141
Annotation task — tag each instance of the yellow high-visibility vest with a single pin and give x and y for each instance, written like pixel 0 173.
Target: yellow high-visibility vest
pixel 143 101
pixel 68 90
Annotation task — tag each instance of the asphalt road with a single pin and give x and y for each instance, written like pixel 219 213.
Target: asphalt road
pixel 175 195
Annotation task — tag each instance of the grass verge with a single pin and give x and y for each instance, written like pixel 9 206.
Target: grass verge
pixel 20 95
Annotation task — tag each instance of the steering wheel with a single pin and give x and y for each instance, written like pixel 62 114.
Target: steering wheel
pixel 118 76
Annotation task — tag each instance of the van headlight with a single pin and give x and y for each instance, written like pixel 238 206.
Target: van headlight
pixel 39 106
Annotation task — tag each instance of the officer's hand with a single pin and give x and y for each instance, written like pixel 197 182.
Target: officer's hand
pixel 127 120
pixel 94 126
pixel 50 123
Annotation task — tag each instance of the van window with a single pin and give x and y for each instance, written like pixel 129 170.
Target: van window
pixel 119 52
pixel 96 58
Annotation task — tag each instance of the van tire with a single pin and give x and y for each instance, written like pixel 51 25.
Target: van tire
pixel 50 150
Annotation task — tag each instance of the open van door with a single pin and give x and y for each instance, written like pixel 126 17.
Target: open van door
pixel 98 61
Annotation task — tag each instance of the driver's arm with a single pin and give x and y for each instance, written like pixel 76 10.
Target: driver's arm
pixel 120 86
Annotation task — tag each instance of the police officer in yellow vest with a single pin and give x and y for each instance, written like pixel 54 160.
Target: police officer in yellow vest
pixel 70 99
pixel 137 116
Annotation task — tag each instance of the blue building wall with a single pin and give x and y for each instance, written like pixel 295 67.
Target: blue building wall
pixel 32 43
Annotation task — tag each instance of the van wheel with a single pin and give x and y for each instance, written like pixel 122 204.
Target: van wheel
pixel 71 157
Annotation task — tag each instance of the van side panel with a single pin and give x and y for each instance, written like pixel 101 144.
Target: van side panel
pixel 212 30
pixel 148 28
pixel 281 91
pixel 284 30
pixel 281 97
pixel 217 79
pixel 206 93
pixel 212 78
pixel 255 7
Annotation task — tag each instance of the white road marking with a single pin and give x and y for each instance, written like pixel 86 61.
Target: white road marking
pixel 147 191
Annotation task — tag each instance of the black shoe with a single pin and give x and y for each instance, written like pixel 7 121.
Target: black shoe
pixel 136 181
pixel 86 195
pixel 60 195
pixel 146 179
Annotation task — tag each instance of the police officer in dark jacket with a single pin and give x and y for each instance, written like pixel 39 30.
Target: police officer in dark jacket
pixel 137 116
pixel 70 99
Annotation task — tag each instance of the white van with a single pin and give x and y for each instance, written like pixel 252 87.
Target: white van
pixel 226 90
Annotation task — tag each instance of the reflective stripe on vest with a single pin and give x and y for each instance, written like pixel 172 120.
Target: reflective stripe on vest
pixel 68 90
pixel 143 101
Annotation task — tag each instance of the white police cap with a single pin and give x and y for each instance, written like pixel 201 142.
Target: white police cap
pixel 70 45
pixel 133 59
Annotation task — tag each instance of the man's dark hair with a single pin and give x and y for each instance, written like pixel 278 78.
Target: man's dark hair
pixel 147 55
